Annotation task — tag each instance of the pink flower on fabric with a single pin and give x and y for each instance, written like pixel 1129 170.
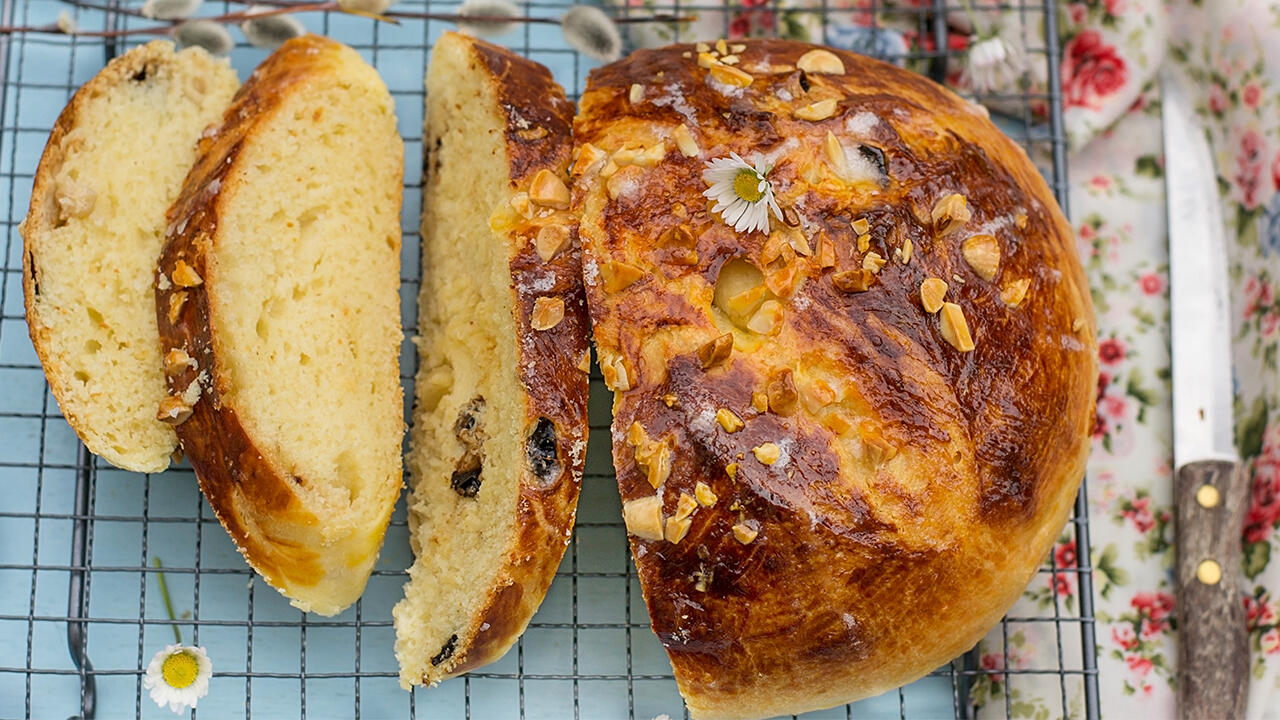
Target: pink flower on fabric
pixel 1114 7
pixel 1100 182
pixel 1079 13
pixel 1117 407
pixel 1140 515
pixel 1064 556
pixel 1264 502
pixel 1091 70
pixel 1248 175
pixel 1155 605
pixel 1139 665
pixel 1275 171
pixel 1217 99
pixel 739 27
pixel 1151 283
pixel 1124 636
pixel 1251 95
pixel 1270 322
pixel 1270 642
pixel 1152 628
pixel 1061 585
pixel 1111 351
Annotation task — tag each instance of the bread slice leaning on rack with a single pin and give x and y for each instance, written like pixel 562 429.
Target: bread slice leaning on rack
pixel 113 164
pixel 277 299
pixel 499 426
pixel 846 440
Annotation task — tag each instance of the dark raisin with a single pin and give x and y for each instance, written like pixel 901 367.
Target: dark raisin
pixel 446 652
pixel 31 273
pixel 466 481
pixel 804 81
pixel 142 73
pixel 469 427
pixel 541 448
pixel 875 156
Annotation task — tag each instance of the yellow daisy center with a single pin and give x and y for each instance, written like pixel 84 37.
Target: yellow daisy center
pixel 746 185
pixel 180 669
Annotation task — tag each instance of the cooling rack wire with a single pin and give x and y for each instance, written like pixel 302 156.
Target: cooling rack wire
pixel 80 605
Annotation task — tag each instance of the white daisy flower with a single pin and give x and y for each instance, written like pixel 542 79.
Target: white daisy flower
pixel 178 676
pixel 996 63
pixel 743 193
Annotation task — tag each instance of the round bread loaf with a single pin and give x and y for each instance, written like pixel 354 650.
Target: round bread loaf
pixel 846 441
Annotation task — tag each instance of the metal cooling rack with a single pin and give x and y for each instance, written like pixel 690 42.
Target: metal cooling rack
pixel 80 606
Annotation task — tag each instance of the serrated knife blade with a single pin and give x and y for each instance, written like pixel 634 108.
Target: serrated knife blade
pixel 1209 488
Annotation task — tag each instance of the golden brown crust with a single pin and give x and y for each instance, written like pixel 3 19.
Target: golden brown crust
pixel 538 119
pixel 918 486
pixel 258 502
pixel 42 217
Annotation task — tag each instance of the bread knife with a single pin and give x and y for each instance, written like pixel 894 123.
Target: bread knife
pixel 1210 488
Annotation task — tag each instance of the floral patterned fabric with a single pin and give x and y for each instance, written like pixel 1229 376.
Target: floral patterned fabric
pixel 1229 53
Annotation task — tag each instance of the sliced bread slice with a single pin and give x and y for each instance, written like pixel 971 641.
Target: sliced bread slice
pixel 113 164
pixel 500 423
pixel 278 306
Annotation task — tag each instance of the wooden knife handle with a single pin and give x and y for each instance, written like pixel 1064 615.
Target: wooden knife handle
pixel 1213 649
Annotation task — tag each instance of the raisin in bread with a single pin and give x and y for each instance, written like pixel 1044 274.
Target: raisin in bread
pixel 278 306
pixel 114 163
pixel 844 442
pixel 499 426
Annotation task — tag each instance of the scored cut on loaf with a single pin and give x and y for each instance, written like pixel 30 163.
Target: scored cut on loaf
pixel 277 299
pixel 844 442
pixel 499 426
pixel 114 163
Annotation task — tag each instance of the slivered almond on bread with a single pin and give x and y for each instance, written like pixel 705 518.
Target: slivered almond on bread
pixel 500 422
pixel 114 163
pixel 278 307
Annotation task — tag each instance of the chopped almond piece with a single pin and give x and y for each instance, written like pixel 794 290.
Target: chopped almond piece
pixel 729 420
pixel 768 319
pixel 821 61
pixel 982 252
pixel 826 251
pixel 760 402
pixel 731 470
pixel 619 275
pixel 670 400
pixel 817 111
pixel 1020 221
pixel 184 275
pixel 588 156
pixel 745 533
pixel 614 370
pixel 852 281
pixel 551 240
pixel 950 214
pixel 873 262
pixel 176 360
pixel 176 301
pixel 174 410
pixel 1014 292
pixel 730 75
pixel 721 47
pixel 767 453
pixel 643 517
pixel 547 313
pixel 906 251
pixel 781 391
pixel 864 242
pixel 703 493
pixel 932 291
pixel 835 155
pixel 955 329
pixel 714 352
pixel 685 142
pixel 706 59
pixel 861 226
pixel 548 190
pixel 685 506
pixel 657 462
pixel 676 529
pixel 636 93
pixel 637 435
pixel 584 363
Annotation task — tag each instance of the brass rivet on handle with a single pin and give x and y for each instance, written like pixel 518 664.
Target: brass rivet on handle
pixel 1209 572
pixel 1208 496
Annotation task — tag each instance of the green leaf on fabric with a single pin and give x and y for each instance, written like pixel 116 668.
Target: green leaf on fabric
pixel 1250 429
pixel 1148 165
pixel 1256 556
